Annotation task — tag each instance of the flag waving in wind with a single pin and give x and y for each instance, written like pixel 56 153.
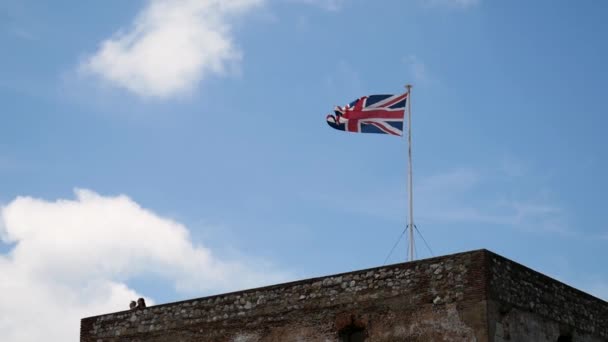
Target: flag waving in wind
pixel 383 114
pixel 371 114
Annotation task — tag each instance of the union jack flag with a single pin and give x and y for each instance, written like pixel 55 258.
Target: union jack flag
pixel 371 114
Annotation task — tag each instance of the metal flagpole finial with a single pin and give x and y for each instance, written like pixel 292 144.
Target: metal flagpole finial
pixel 409 86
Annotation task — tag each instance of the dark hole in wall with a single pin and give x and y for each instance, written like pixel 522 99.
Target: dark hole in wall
pixel 564 338
pixel 352 334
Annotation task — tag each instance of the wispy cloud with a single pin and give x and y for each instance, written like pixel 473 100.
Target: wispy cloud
pixel 460 195
pixel 329 5
pixel 452 3
pixel 512 167
pixel 472 195
pixel 23 33
pixel 457 179
pixel 7 163
pixel 418 70
pixel 171 46
pixel 72 258
pixel 345 77
pixel 335 5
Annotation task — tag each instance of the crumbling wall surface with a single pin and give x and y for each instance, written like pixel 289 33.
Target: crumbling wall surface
pixel 439 299
pixel 525 305
pixel 518 325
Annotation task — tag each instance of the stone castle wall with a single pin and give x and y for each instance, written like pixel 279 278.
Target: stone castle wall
pixel 473 296
pixel 426 300
pixel 527 305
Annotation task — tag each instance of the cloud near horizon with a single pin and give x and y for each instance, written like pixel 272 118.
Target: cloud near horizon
pixel 72 258
pixel 170 47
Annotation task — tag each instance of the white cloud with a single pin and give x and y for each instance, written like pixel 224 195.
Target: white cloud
pixel 71 259
pixel 171 46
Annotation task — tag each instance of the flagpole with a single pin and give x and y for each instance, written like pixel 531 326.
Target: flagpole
pixel 409 173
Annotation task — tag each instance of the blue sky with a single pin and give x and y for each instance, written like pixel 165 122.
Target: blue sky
pixel 205 120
